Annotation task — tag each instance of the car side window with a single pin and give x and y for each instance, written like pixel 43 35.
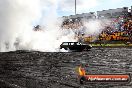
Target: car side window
pixel 78 44
pixel 72 43
pixel 65 43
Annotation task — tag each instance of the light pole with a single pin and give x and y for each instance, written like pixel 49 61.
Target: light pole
pixel 75 6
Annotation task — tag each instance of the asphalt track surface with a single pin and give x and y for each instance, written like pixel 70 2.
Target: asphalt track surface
pixel 26 69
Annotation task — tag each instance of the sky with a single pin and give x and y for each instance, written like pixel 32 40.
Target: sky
pixel 66 7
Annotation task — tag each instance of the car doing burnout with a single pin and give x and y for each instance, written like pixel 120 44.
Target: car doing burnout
pixel 75 46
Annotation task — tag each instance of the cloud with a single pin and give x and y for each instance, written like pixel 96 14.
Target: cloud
pixel 117 1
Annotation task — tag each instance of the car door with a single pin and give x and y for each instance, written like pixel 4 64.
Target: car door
pixel 79 46
pixel 72 46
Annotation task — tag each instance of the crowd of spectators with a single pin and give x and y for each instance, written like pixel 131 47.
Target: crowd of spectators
pixel 118 24
pixel 72 24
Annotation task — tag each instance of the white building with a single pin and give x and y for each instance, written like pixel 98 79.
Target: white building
pixel 111 13
pixel 87 16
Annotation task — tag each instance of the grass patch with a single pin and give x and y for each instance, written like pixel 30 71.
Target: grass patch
pixel 111 45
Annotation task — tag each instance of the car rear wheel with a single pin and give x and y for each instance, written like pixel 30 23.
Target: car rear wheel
pixel 86 49
pixel 66 48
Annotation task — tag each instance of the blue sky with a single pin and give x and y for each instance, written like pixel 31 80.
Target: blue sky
pixel 66 7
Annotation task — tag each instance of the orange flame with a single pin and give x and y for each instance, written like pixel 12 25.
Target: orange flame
pixel 81 71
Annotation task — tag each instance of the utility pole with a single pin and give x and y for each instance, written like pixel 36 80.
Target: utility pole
pixel 75 6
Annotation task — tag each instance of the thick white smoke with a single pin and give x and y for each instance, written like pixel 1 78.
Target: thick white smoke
pixel 96 26
pixel 17 21
pixel 17 18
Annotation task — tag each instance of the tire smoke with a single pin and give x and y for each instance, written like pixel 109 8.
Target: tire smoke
pixel 16 26
pixel 18 18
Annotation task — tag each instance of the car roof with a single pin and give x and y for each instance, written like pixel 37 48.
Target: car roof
pixel 70 42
